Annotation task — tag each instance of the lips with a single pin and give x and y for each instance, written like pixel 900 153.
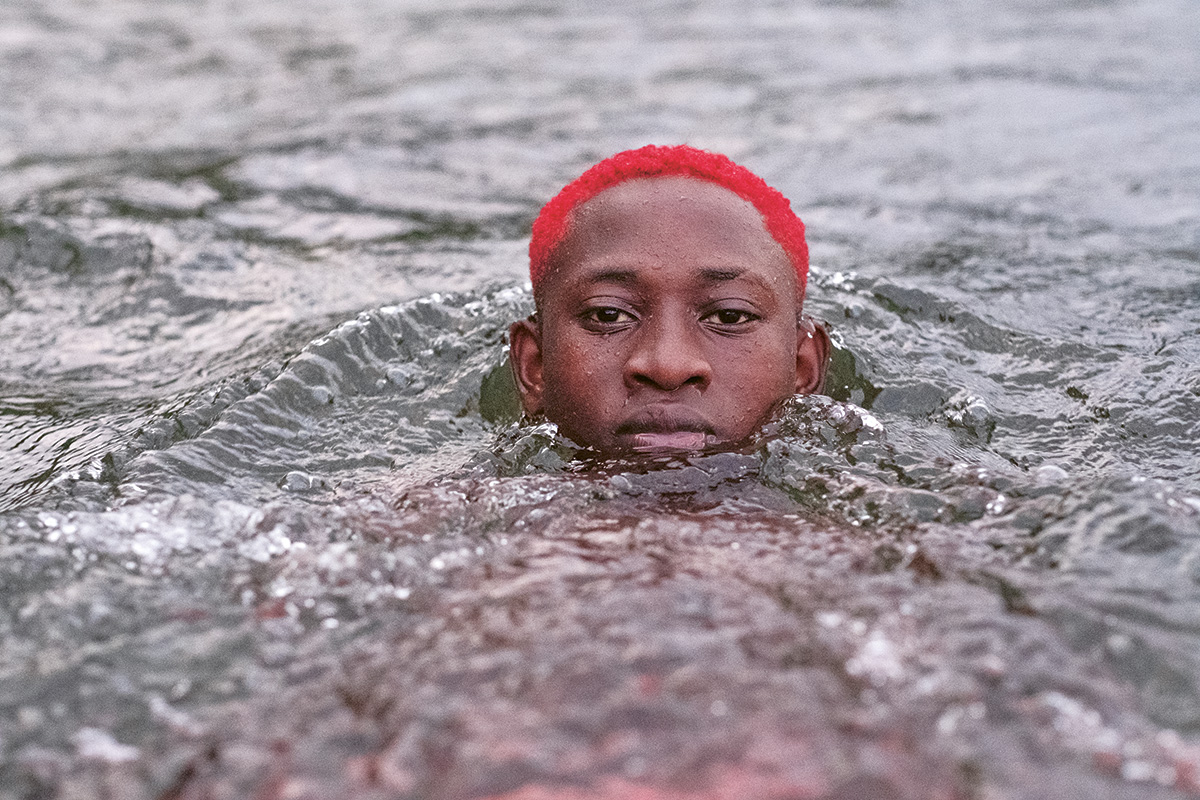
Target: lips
pixel 677 440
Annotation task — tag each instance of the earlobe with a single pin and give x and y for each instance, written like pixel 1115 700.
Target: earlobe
pixel 813 349
pixel 525 358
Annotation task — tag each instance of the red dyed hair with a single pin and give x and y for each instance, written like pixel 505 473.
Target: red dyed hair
pixel 654 161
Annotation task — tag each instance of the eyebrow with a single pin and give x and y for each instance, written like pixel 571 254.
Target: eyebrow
pixel 718 276
pixel 721 275
pixel 622 276
pixel 707 275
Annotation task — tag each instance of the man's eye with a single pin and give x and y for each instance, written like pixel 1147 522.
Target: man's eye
pixel 608 315
pixel 731 316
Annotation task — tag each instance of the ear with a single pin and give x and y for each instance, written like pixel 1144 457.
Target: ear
pixel 812 356
pixel 525 358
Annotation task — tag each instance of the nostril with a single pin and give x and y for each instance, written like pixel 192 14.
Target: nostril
pixel 669 381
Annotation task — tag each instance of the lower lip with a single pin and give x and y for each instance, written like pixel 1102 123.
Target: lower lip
pixel 676 440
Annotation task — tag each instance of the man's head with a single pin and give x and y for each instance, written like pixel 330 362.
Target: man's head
pixel 669 284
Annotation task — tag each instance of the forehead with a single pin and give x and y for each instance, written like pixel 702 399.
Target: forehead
pixel 665 214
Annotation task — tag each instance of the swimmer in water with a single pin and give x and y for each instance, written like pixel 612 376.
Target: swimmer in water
pixel 668 283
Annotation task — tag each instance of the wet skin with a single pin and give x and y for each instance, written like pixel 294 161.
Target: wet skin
pixel 669 320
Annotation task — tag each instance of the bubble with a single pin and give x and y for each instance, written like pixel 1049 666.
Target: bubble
pixel 99 745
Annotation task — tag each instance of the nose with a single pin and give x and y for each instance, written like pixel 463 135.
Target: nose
pixel 668 354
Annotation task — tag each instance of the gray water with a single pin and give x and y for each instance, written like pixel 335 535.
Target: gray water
pixel 269 527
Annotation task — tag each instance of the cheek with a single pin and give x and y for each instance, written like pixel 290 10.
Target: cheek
pixel 762 373
pixel 580 372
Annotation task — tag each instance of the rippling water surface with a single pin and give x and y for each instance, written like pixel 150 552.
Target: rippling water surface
pixel 270 527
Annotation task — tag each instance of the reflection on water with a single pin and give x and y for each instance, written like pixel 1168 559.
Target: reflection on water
pixel 272 529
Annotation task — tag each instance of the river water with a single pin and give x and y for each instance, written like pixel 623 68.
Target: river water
pixel 269 527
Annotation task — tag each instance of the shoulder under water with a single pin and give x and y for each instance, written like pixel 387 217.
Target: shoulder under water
pixel 358 569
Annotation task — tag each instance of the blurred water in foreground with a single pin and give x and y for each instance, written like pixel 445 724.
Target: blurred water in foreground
pixel 268 527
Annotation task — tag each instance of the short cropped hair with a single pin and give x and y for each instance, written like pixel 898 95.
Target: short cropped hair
pixel 654 161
